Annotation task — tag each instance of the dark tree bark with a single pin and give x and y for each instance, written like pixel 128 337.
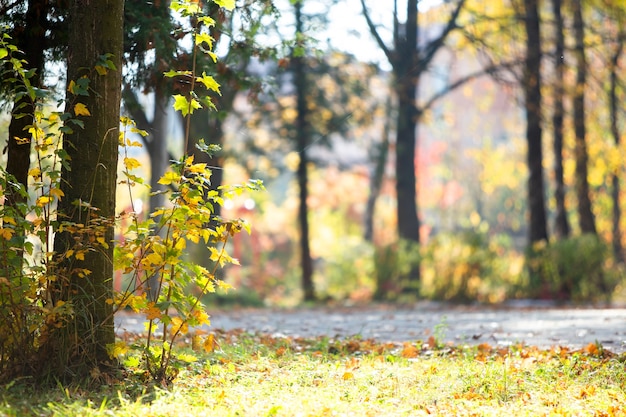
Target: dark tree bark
pixel 302 140
pixel 585 215
pixel 409 62
pixel 79 347
pixel 532 95
pixel 31 39
pixel 561 224
pixel 618 250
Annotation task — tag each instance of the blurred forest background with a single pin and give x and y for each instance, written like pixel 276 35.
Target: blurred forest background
pixel 454 150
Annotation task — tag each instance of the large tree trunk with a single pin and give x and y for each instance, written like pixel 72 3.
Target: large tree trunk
pixel 561 224
pixel 79 347
pixel 407 70
pixel 31 39
pixel 585 215
pixel 532 93
pixel 302 139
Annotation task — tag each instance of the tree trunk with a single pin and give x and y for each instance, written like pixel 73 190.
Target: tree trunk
pixel 406 71
pixel 31 39
pixel 79 347
pixel 532 93
pixel 585 215
pixel 302 132
pixel 618 250
pixel 561 224
pixel 377 175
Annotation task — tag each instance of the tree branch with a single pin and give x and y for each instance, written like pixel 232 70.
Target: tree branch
pixel 491 70
pixel 431 49
pixel 375 34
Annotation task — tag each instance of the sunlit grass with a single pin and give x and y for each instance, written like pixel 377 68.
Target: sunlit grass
pixel 253 375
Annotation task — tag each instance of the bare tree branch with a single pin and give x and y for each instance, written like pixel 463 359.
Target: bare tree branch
pixel 374 32
pixel 490 70
pixel 431 49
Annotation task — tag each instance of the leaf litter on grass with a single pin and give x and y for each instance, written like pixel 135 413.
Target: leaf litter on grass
pixel 248 374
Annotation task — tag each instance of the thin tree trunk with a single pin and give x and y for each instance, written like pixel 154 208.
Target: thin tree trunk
pixel 80 347
pixel 378 174
pixel 561 224
pixel 302 139
pixel 585 215
pixel 532 93
pixel 618 250
pixel 31 40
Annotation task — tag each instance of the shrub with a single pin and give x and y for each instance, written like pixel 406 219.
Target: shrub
pixel 579 268
pixel 462 267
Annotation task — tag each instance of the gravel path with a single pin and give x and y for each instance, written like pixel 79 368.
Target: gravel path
pixel 537 325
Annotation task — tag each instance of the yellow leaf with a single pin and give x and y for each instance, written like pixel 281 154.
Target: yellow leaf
pixel 34 172
pixel 69 253
pixel 209 82
pixel 209 343
pixel 201 317
pixel 80 255
pixel 197 168
pixel 152 312
pixel 81 110
pixel 169 177
pixel 102 242
pixel 154 259
pixel 227 4
pixel 179 326
pixel 71 86
pixel 347 376
pixel 56 192
pixel 6 233
pixel 43 200
pixel 101 70
pixel 117 349
pixel 9 220
pixel 131 163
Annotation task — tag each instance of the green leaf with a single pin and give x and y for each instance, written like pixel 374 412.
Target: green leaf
pixel 3 52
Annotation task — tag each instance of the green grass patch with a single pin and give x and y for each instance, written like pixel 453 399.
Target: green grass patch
pixel 259 375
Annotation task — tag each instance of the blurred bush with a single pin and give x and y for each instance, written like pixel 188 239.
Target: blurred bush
pixel 466 266
pixel 579 268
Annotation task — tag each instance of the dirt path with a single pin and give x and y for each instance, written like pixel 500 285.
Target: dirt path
pixel 536 325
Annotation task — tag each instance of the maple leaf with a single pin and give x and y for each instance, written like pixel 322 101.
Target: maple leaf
pixel 184 106
pixel 209 82
pixel 81 110
pixel 168 178
pixel 152 312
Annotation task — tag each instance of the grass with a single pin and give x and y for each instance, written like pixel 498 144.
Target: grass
pixel 258 375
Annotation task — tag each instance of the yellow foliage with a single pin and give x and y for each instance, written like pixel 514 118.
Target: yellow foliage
pixel 152 312
pixel 169 177
pixel 6 233
pixel 117 349
pixel 81 110
pixel 179 326
pixel 131 163
pixel 43 201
